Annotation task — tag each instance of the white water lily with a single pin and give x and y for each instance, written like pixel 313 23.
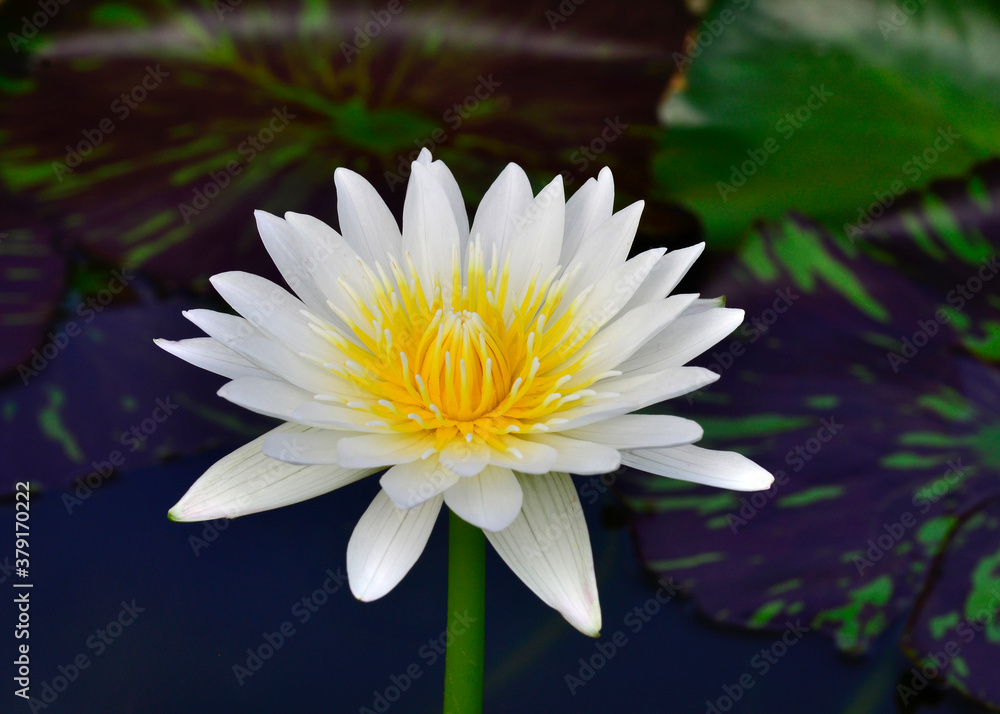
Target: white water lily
pixel 479 367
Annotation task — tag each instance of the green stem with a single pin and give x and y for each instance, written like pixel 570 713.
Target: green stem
pixel 463 664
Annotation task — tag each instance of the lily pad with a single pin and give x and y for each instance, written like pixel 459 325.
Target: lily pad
pixel 105 398
pixel 824 107
pixel 864 380
pixel 184 120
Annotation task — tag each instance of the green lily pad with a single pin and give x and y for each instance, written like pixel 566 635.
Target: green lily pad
pixel 828 108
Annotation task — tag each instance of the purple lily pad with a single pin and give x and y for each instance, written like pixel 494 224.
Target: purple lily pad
pixel 102 397
pixel 866 381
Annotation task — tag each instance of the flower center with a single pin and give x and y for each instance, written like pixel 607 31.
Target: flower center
pixel 463 356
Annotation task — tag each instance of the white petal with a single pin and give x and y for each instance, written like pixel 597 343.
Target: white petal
pixel 537 238
pixel 502 206
pixel 703 304
pixel 588 208
pixel 638 431
pixel 548 548
pixel 412 483
pixel 442 174
pixel 630 393
pixel 665 275
pixel 334 417
pixel 579 456
pixel 285 246
pixel 365 222
pixel 465 458
pixel 576 417
pixel 606 246
pixel 725 469
pixel 383 449
pixel 271 310
pixel 210 354
pixel 327 257
pixel 430 235
pixel 246 481
pixel 683 340
pixel 611 293
pixel 526 456
pixel 317 446
pixel 270 397
pixel 490 501
pixel 244 339
pixel 620 339
pixel 386 543
pixel 642 390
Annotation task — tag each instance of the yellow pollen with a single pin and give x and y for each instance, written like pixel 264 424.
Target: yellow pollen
pixel 483 364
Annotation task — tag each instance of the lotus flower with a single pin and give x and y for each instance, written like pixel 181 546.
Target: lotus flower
pixel 475 368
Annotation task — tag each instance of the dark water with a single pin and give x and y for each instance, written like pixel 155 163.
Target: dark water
pixel 195 616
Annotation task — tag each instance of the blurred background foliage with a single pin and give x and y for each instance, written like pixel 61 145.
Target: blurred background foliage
pixel 840 159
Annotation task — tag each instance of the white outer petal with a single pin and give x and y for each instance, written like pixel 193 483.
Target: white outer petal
pixel 589 207
pixel 619 340
pixel 609 296
pixel 271 310
pixel 537 239
pixel 531 457
pixel 430 235
pixel 502 205
pixel 372 450
pixel 414 482
pixel 316 446
pixel 490 501
pixel 638 431
pixel 247 481
pixel 606 246
pixel 683 340
pixel 385 544
pixel 210 354
pixel 365 222
pixel 578 456
pixel 724 469
pixel 442 174
pixel 285 246
pixel 243 338
pixel 665 275
pixel 548 548
pixel 270 397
